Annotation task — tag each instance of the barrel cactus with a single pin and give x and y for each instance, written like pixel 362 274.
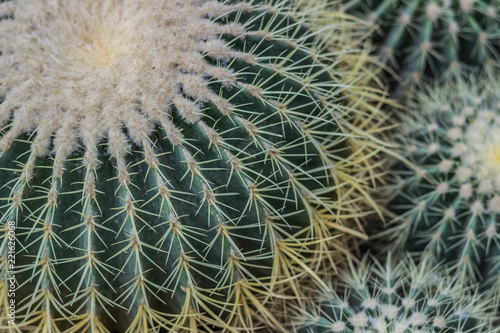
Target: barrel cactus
pixel 174 165
pixel 448 205
pixel 402 298
pixel 433 38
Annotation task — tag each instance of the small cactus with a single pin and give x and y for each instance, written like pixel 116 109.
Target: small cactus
pixel 448 206
pixel 395 298
pixel 434 38
pixel 175 165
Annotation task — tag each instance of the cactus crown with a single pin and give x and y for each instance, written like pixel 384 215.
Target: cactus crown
pixel 174 164
pixel 105 66
pixel 396 298
pixel 448 206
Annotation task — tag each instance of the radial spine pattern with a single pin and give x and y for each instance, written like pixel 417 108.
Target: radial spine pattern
pixel 175 164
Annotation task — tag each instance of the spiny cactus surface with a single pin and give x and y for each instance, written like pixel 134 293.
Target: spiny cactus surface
pixel 434 38
pixel 448 206
pixel 173 165
pixel 395 298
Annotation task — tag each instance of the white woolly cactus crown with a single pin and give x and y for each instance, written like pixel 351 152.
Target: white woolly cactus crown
pixel 448 206
pixel 108 65
pixel 175 165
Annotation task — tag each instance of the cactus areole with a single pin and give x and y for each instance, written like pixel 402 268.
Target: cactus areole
pixel 167 164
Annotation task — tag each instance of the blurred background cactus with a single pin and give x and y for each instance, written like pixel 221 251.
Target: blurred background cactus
pixel 177 165
pixel 433 38
pixel 448 204
pixel 395 297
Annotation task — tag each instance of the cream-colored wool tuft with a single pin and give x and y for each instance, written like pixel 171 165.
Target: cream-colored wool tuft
pixel 90 68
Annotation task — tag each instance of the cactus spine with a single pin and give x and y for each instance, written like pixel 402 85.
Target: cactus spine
pixel 174 165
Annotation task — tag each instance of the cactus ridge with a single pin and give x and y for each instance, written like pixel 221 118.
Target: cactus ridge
pixel 433 38
pixel 174 165
pixel 398 296
pixel 448 205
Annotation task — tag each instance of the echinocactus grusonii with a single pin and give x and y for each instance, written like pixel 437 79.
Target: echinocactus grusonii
pixel 174 165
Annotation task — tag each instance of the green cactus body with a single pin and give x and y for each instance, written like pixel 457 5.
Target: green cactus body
pixel 448 206
pixel 402 298
pixel 174 165
pixel 434 38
